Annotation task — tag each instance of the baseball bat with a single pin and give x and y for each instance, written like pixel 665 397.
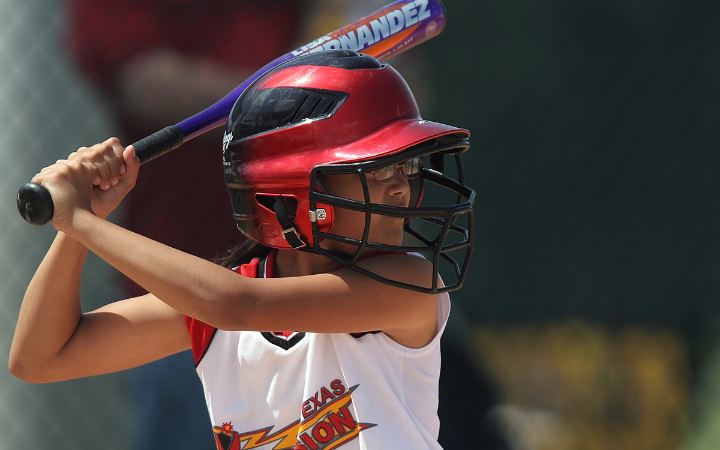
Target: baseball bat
pixel 386 32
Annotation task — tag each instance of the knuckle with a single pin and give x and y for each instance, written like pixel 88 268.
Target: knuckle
pixel 76 165
pixel 108 152
pixel 96 156
pixel 60 171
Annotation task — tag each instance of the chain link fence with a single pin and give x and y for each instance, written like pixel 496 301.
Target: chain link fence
pixel 46 112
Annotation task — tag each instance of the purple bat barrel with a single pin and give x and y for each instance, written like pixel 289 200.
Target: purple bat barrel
pixel 386 32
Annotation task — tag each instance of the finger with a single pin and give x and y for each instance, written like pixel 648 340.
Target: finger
pixel 103 166
pixel 131 157
pixel 104 159
pixel 112 165
pixel 111 151
pixel 119 167
pixel 75 171
pixel 51 168
pixel 90 154
pixel 38 178
pixel 132 163
pixel 118 151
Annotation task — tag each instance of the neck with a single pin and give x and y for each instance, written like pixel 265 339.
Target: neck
pixel 294 263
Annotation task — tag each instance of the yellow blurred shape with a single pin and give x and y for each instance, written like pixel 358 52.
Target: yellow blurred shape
pixel 574 385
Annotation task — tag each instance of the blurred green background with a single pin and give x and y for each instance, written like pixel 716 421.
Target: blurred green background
pixel 595 157
pixel 593 296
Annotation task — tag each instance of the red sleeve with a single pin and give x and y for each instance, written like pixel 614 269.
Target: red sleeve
pixel 201 334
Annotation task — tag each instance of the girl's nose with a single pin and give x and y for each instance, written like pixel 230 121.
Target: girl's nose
pixel 399 185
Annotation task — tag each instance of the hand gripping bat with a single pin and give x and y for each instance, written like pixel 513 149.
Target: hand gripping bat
pixel 386 32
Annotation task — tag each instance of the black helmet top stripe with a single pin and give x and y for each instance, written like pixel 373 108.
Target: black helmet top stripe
pixel 267 109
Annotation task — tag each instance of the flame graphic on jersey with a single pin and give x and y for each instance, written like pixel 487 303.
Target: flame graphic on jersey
pixel 329 427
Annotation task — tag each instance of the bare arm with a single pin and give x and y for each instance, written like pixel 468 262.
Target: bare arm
pixel 340 301
pixel 50 311
pixel 55 341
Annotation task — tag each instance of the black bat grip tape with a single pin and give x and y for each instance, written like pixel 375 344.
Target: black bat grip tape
pixel 158 143
pixel 35 204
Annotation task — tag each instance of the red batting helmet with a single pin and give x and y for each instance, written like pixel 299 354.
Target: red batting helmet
pixel 342 112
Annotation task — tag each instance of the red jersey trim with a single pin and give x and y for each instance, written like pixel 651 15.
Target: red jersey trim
pixel 202 334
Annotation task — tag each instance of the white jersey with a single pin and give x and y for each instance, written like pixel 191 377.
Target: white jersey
pixel 318 390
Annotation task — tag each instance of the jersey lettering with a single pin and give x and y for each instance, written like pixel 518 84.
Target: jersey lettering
pixel 327 423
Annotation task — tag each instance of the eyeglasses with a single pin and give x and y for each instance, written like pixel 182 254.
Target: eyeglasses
pixel 410 168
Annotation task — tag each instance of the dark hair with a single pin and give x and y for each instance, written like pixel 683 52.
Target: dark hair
pixel 242 253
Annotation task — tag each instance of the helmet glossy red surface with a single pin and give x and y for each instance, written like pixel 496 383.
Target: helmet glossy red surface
pixel 377 116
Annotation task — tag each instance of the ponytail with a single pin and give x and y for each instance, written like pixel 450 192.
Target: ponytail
pixel 243 253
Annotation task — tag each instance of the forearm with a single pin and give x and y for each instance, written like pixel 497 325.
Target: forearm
pixel 219 297
pixel 51 310
pixel 190 285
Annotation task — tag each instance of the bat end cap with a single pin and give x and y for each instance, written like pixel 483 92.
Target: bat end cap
pixel 35 204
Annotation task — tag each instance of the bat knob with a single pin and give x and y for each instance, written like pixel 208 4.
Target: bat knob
pixel 35 204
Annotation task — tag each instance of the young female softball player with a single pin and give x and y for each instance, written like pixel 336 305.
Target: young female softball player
pixel 325 332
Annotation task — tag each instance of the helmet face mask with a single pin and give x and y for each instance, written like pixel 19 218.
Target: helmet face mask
pixel 339 112
pixel 441 231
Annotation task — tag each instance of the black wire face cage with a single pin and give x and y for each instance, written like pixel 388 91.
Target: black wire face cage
pixel 441 229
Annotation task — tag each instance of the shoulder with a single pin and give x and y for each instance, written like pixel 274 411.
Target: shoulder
pixel 416 319
pixel 406 268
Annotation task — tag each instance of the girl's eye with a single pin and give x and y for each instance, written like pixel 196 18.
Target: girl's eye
pixel 411 167
pixel 384 174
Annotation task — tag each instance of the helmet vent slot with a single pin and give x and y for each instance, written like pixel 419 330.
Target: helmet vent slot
pixel 269 109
